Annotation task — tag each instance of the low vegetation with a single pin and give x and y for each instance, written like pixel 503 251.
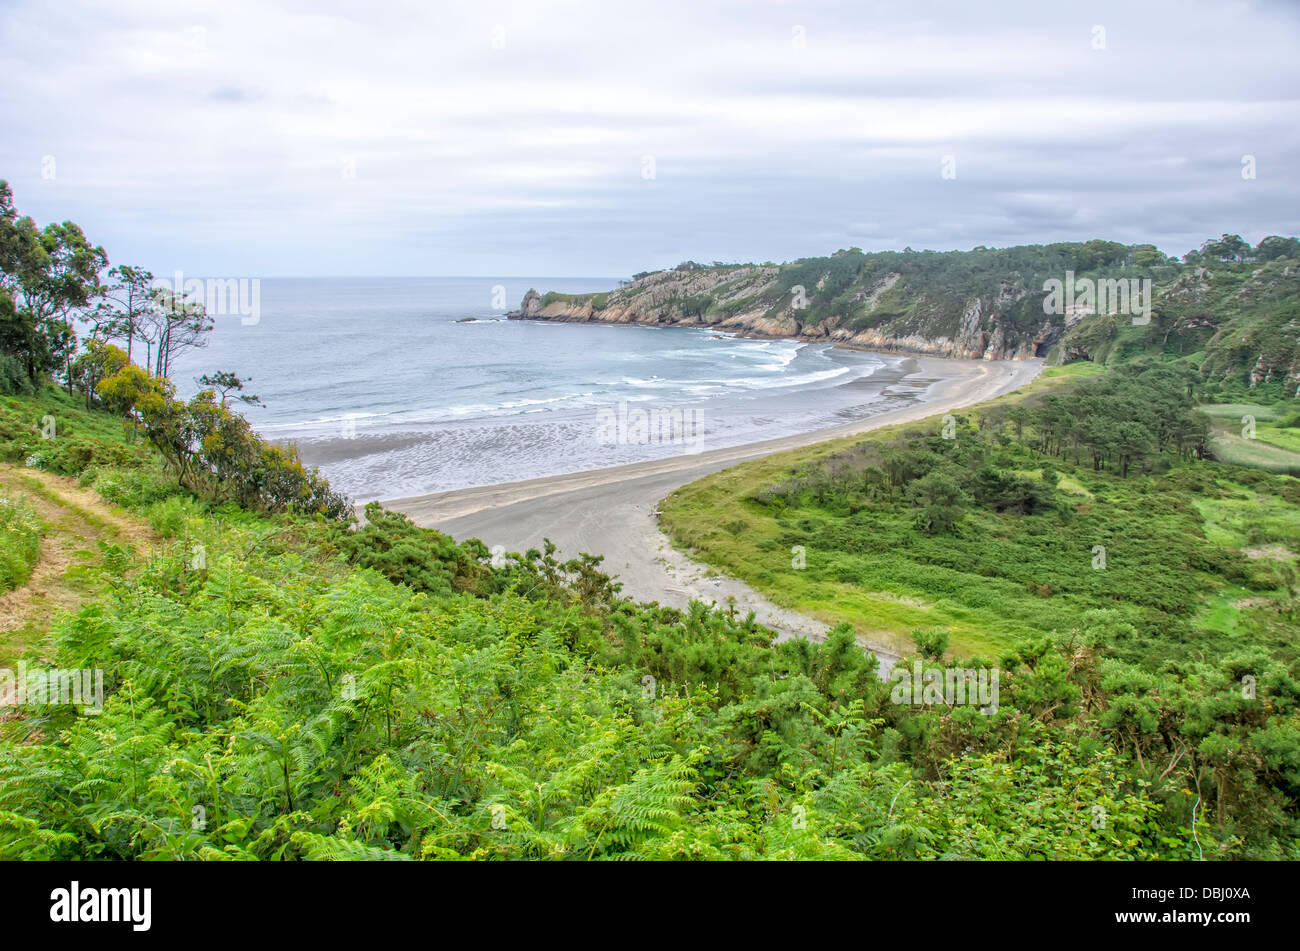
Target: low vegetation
pixel 1086 515
pixel 20 542
pixel 1260 435
pixel 283 686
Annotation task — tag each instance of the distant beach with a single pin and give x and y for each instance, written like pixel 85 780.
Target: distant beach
pixel 610 511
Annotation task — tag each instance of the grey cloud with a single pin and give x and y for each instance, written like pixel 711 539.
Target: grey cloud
pixel 214 138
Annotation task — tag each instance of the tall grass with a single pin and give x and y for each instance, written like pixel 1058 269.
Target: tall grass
pixel 1254 453
pixel 20 543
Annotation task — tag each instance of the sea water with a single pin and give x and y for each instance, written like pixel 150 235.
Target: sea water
pixel 401 386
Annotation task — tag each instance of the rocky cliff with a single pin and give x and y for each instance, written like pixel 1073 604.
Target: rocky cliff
pixel 1235 319
pixel 877 308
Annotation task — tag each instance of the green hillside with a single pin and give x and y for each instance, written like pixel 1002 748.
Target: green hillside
pixel 1229 309
pixel 1084 515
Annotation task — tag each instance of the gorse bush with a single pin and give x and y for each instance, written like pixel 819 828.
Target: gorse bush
pixel 423 560
pixel 214 452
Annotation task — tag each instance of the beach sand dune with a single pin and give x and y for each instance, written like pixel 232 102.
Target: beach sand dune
pixel 611 511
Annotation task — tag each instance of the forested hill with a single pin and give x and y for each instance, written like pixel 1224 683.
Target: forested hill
pixel 1228 307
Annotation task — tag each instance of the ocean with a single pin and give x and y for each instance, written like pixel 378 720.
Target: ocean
pixel 391 388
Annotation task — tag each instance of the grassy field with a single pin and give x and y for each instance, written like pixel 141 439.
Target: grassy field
pixel 1231 411
pixel 1257 435
pixel 712 521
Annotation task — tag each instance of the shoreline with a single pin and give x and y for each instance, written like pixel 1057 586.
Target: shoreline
pixel 456 503
pixel 611 511
pixel 325 446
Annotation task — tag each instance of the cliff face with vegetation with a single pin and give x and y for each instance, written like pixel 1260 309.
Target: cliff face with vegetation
pixel 877 310
pixel 1238 317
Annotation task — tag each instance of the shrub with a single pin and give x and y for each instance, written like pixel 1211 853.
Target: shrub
pixel 134 488
pixel 932 642
pixel 71 455
pixel 419 558
pixel 215 453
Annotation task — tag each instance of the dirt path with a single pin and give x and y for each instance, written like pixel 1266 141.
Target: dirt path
pixel 75 521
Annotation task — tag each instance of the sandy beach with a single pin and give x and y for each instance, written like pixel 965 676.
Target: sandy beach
pixel 611 511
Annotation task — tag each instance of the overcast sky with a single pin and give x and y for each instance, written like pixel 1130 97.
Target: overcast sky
pixel 544 138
